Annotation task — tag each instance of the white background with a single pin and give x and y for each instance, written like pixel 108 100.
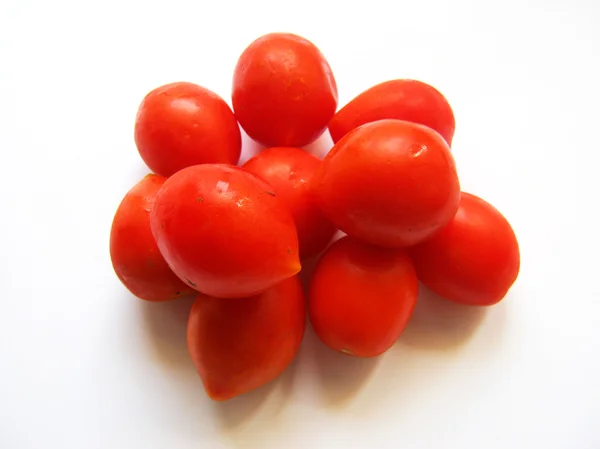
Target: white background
pixel 83 364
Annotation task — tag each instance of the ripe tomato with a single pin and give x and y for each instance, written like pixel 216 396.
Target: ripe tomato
pixel 240 345
pixel 284 92
pixel 408 100
pixel 289 171
pixel 391 182
pixel 361 297
pixel 223 231
pixel 473 260
pixel 183 124
pixel 133 251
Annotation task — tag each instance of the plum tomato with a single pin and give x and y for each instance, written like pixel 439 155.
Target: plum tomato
pixel 238 345
pixel 289 171
pixel 391 182
pixel 135 257
pixel 361 296
pixel 473 260
pixel 224 232
pixel 183 124
pixel 402 99
pixel 284 92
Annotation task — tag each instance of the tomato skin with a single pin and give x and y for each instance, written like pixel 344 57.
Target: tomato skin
pixel 290 171
pixel 134 255
pixel 182 124
pixel 402 99
pixel 284 92
pixel 223 231
pixel 238 345
pixel 361 297
pixel 474 260
pixel 391 183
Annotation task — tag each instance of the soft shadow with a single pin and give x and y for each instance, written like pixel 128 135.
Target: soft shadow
pixel 439 324
pixel 340 376
pixel 166 324
pixel 250 148
pixel 285 382
pixel 234 412
pixel 321 146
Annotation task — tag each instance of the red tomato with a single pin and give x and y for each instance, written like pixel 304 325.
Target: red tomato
pixel 284 92
pixel 183 124
pixel 289 171
pixel 224 232
pixel 133 251
pixel 474 260
pixel 361 297
pixel 408 100
pixel 240 345
pixel 391 182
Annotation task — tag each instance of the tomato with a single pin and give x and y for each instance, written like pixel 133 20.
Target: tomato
pixel 361 297
pixel 224 231
pixel 391 182
pixel 410 100
pixel 183 124
pixel 475 259
pixel 284 92
pixel 133 252
pixel 238 345
pixel 289 171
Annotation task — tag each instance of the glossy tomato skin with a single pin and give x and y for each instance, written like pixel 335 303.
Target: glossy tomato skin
pixel 238 345
pixel 182 124
pixel 284 92
pixel 402 99
pixel 475 259
pixel 361 297
pixel 133 252
pixel 391 183
pixel 290 171
pixel 224 231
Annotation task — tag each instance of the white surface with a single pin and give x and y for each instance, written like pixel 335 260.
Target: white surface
pixel 83 364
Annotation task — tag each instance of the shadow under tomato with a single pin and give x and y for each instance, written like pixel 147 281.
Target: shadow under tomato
pixel 234 412
pixel 439 324
pixel 166 324
pixel 321 146
pixel 340 376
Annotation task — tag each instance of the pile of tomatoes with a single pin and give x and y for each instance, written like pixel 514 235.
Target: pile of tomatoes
pixel 236 236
